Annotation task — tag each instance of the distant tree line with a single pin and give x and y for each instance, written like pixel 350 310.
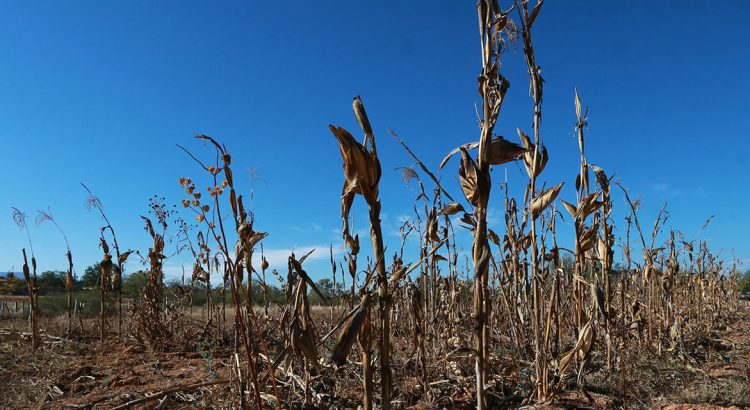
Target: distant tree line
pixel 53 283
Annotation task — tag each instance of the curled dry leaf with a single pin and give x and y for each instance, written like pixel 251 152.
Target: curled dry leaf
pixel 349 333
pixel 451 209
pixel 303 274
pixel 572 210
pixel 123 257
pixel 583 347
pixel 474 183
pixel 361 172
pixel 432 228
pixel 588 238
pixel 437 257
pixel 468 220
pixel 353 243
pixel 397 275
pixel 493 237
pixel 501 151
pixel 597 295
pixel 588 205
pixel 303 342
pixel 528 157
pixel 541 202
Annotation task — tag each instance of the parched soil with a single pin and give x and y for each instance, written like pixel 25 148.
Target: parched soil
pixel 710 370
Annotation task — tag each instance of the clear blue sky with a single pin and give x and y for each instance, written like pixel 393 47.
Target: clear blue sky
pixel 100 92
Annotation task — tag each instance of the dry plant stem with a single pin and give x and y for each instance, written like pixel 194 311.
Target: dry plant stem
pixel 163 393
pixel 33 300
pixel 365 342
pixel 480 235
pixel 376 236
pixel 362 176
pixel 384 302
pixel 94 201
pixel 30 275
pixel 492 90
pixel 69 288
pixel 540 362
pixel 47 216
pixel 421 165
pixel 234 268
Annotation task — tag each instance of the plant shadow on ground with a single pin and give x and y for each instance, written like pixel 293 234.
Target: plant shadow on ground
pixel 711 369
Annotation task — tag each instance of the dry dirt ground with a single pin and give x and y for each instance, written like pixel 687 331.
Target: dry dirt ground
pixel 711 371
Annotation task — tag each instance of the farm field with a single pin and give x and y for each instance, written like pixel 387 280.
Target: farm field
pixel 373 269
pixel 710 372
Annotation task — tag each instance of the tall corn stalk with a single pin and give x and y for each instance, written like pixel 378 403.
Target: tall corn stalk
pixel 476 181
pixel 538 161
pixel 32 287
pixel 118 268
pixel 362 176
pixel 47 216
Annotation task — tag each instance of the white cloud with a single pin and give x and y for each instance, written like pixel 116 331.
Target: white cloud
pixel 277 257
pixel 666 189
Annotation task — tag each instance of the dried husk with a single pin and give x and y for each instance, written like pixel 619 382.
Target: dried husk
pixel 361 168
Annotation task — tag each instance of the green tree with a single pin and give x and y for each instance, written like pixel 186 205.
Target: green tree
pixel 51 281
pixel 133 284
pixel 12 285
pixel 91 276
pixel 745 283
pixel 327 289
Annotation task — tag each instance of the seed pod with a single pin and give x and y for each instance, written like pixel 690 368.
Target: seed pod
pixel 353 266
pixel 583 347
pixel 69 281
pixel 106 264
pixel 361 115
pixel 115 279
pixel 601 249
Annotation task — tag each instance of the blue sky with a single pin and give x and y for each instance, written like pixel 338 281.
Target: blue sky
pixel 100 92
